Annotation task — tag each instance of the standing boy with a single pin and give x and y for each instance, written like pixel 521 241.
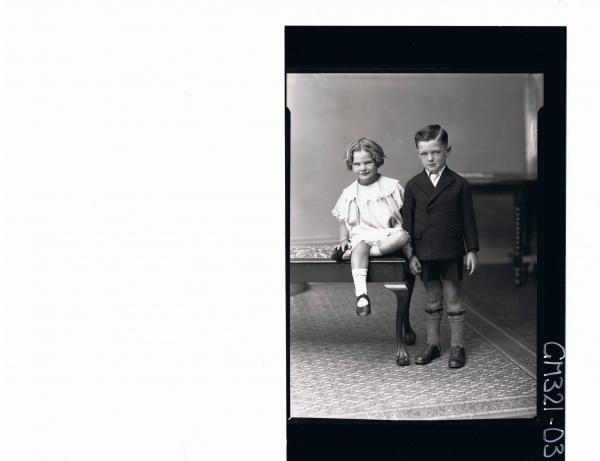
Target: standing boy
pixel 438 215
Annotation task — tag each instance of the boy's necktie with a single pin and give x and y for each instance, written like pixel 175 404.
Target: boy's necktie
pixel 434 177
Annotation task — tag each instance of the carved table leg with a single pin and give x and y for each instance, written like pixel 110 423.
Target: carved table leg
pixel 409 335
pixel 518 238
pixel 402 293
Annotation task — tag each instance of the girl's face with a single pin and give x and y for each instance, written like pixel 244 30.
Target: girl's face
pixel 364 167
pixel 433 155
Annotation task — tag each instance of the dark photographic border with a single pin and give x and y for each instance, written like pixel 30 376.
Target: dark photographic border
pixel 455 50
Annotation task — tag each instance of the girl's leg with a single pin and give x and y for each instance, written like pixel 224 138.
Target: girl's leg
pixel 390 244
pixel 359 261
pixel 360 256
pixel 456 312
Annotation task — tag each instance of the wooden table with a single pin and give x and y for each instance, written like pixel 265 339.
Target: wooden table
pixel 314 264
pixel 524 191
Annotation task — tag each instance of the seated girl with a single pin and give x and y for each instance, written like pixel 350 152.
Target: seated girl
pixel 369 214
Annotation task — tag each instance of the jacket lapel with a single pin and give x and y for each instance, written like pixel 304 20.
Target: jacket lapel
pixel 424 183
pixel 445 181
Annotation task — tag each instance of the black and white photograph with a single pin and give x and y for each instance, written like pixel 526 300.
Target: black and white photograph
pixel 425 239
pixel 460 341
pixel 300 231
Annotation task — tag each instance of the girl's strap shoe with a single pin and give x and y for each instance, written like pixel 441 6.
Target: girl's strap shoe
pixel 363 310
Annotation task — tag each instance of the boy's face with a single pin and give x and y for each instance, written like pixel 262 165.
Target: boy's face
pixel 433 155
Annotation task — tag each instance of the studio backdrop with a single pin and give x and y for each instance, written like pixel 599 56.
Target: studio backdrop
pixel 491 120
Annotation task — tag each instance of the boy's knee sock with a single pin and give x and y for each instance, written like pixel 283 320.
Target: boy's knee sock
pixel 360 284
pixel 457 325
pixel 433 318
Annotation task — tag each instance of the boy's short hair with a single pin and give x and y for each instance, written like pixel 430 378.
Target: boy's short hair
pixel 367 145
pixel 431 132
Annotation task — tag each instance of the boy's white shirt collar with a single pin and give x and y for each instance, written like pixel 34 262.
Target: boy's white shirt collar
pixel 435 180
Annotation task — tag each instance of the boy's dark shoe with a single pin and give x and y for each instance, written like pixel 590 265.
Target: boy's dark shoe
pixel 363 310
pixel 457 358
pixel 431 351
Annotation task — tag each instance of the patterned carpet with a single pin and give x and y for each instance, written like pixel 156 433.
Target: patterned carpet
pixel 343 366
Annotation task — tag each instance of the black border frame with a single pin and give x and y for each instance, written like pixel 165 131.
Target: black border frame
pixel 372 49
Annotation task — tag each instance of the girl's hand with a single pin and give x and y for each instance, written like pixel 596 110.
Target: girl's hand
pixel 414 265
pixel 472 262
pixel 343 245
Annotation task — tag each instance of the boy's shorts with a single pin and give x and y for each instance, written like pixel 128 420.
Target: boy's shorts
pixel 442 269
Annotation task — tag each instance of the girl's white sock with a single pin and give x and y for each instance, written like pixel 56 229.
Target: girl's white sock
pixel 360 284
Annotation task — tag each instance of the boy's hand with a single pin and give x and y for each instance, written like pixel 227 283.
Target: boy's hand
pixel 472 262
pixel 414 265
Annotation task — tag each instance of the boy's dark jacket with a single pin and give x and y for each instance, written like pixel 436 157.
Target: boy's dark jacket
pixel 440 220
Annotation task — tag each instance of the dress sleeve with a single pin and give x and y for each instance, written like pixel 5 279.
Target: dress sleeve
pixel 395 200
pixel 340 209
pixel 398 196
